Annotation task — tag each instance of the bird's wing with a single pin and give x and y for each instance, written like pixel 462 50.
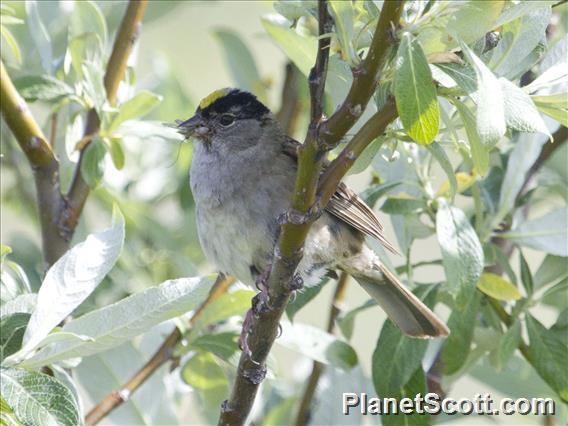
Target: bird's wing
pixel 347 206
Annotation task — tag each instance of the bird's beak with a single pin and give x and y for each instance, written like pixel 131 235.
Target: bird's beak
pixel 194 126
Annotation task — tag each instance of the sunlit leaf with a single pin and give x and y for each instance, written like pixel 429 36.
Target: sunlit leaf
pixel 415 93
pixel 479 152
pixel 43 88
pixel 138 106
pixel 497 287
pixel 342 12
pixel 520 111
pixel 39 35
pixel 473 19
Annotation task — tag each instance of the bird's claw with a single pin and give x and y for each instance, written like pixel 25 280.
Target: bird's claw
pixel 297 217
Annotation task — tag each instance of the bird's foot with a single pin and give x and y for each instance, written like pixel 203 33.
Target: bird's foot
pixel 297 283
pixel 297 217
pixel 260 302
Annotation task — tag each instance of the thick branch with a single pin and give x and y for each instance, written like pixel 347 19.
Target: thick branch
pixel 304 411
pixel 45 166
pixel 162 356
pixel 365 77
pixel 126 37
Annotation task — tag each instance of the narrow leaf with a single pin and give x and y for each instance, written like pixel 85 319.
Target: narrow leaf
pixel 526 275
pixel 415 93
pixel 462 253
pixel 73 277
pixel 497 287
pixel 13 327
pixel 489 98
pixel 461 325
pixel 440 155
pixel 138 106
pixel 479 152
pixel 548 350
pixel 508 345
pixel 116 323
pixel 520 111
pixel 43 88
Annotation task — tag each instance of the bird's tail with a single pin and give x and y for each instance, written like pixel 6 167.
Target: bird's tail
pixel 412 316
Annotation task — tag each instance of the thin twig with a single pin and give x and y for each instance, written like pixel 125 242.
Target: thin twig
pixel 290 107
pixel 126 37
pixel 304 411
pixel 289 248
pixel 160 357
pixel 43 162
pixel 53 132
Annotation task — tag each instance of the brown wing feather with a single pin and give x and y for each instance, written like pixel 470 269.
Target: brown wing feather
pixel 347 206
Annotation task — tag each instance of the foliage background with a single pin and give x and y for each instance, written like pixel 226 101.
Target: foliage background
pixel 187 50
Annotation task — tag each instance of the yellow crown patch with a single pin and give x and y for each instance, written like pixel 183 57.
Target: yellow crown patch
pixel 217 94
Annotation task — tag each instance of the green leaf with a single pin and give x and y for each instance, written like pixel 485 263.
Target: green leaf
pixel 342 12
pixel 202 372
pixel 403 205
pixel 508 344
pixel 461 325
pixel 317 345
pixel 526 276
pixel 519 38
pixel 223 345
pixel 516 10
pixel 24 303
pixel 93 85
pixel 43 88
pixel 555 106
pixel 479 152
pixel 39 35
pixel 547 351
pixel 547 233
pixel 225 306
pixel 11 41
pixel 72 278
pixel 88 18
pixel 116 152
pixel 4 251
pixel 497 287
pixel 7 415
pixel 86 47
pixel 294 9
pixel 415 93
pixel 551 269
pixel 525 152
pixel 92 165
pixel 440 155
pixel 121 321
pixel 38 399
pixel 462 253
pixel 415 385
pixel 301 50
pixel 13 327
pixel 553 67
pixel 463 75
pixel 520 111
pixel 138 106
pixel 396 356
pixel 474 19
pixel 241 63
pixel 489 98
pixel 371 195
pixel 346 322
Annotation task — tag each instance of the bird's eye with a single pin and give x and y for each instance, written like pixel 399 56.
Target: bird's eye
pixel 227 119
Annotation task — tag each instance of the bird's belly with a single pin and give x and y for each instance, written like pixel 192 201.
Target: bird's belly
pixel 234 239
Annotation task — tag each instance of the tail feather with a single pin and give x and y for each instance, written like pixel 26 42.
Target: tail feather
pixel 412 316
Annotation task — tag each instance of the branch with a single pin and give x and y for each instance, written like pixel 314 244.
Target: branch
pixel 162 356
pixel 289 248
pixel 304 412
pixel 126 37
pixel 43 161
pixel 365 77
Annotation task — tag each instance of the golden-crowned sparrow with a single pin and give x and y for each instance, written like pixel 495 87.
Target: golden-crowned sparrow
pixel 242 178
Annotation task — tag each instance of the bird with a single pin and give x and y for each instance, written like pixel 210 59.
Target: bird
pixel 242 179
